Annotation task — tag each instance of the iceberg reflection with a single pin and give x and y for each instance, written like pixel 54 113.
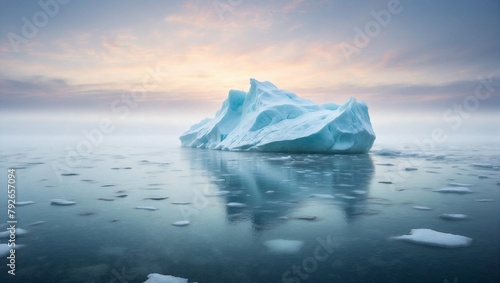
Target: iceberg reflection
pixel 270 188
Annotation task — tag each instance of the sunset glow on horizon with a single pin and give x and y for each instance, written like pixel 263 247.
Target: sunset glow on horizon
pixel 394 55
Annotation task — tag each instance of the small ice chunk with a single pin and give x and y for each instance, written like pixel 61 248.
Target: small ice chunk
pixel 418 207
pixel 460 185
pixel 269 192
pixel 18 232
pixel 434 238
pixel 455 190
pixel 236 204
pixel 181 202
pixel 284 158
pixel 485 200
pixel 181 223
pixel 283 246
pixel 146 208
pixel 411 169
pixel 21 203
pixel 360 192
pixel 217 194
pixel 160 278
pixel 325 196
pixel 61 202
pixel 5 249
pixel 453 216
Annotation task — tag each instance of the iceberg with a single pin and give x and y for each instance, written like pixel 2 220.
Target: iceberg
pixel 434 238
pixel 270 119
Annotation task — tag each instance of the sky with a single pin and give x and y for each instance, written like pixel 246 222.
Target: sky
pixel 159 66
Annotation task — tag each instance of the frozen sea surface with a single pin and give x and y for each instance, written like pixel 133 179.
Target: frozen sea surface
pixel 253 217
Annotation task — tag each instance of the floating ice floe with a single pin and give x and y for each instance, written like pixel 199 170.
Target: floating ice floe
pixel 236 204
pixel 460 185
pixel 360 192
pixel 269 192
pixel 418 207
pixel 284 158
pixel 61 202
pixel 160 278
pixel 324 196
pixel 156 198
pixel 270 119
pixel 454 190
pixel 485 200
pixel 181 223
pixel 411 169
pixel 283 246
pixel 5 249
pixel 18 232
pixel 181 202
pixel 453 216
pixel 21 203
pixel 434 238
pixel 151 208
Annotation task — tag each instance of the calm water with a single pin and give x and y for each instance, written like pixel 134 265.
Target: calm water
pixel 344 239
